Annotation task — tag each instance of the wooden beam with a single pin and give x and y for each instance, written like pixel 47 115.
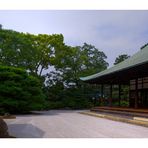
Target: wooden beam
pixel 119 95
pixel 110 99
pixel 102 91
pixel 136 94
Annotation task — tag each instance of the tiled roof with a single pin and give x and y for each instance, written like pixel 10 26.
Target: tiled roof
pixel 139 58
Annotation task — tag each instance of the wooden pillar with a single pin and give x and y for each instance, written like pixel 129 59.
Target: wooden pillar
pixel 129 95
pixel 110 99
pixel 102 91
pixel 136 94
pixel 119 94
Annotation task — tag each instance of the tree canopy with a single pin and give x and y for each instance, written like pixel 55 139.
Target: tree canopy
pixel 75 62
pixel 42 72
pixel 31 52
pixel 37 53
pixel 121 58
pixel 57 65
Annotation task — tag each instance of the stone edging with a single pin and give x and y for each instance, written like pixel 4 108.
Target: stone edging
pixel 131 121
pixel 8 117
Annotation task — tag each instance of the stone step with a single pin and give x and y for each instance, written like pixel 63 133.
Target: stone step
pixel 124 109
pixel 125 113
pixel 135 120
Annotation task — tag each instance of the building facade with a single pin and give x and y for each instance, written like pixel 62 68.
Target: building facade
pixel 132 72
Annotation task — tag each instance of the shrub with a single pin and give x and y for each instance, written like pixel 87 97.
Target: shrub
pixel 71 98
pixel 19 91
pixel 124 103
pixel 55 105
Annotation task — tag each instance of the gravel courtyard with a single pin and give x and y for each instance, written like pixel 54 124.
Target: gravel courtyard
pixel 71 124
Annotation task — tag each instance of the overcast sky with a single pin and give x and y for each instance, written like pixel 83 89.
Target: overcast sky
pixel 113 32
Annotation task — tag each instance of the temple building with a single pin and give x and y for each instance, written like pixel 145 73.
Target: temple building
pixel 132 72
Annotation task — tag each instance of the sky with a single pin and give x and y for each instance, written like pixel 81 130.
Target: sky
pixel 114 32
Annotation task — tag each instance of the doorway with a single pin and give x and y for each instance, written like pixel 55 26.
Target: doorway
pixel 144 98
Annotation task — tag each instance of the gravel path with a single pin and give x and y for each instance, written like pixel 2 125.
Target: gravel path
pixel 71 124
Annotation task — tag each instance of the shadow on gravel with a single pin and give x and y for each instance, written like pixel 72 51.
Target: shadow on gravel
pixel 55 112
pixel 49 113
pixel 25 131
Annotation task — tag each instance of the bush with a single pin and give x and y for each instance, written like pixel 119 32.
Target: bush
pixel 124 103
pixel 76 99
pixel 77 102
pixel 55 105
pixel 19 91
pixel 71 98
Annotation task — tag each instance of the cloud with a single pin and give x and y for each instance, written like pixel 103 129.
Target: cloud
pixel 114 32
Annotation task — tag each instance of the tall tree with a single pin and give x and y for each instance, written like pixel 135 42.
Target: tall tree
pixel 93 60
pixel 31 52
pixel 121 58
pixel 75 62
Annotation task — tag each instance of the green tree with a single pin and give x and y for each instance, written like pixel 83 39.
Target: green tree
pixel 34 53
pixel 64 88
pixel 46 46
pixel 93 60
pixel 75 62
pixel 19 91
pixel 17 50
pixel 121 58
